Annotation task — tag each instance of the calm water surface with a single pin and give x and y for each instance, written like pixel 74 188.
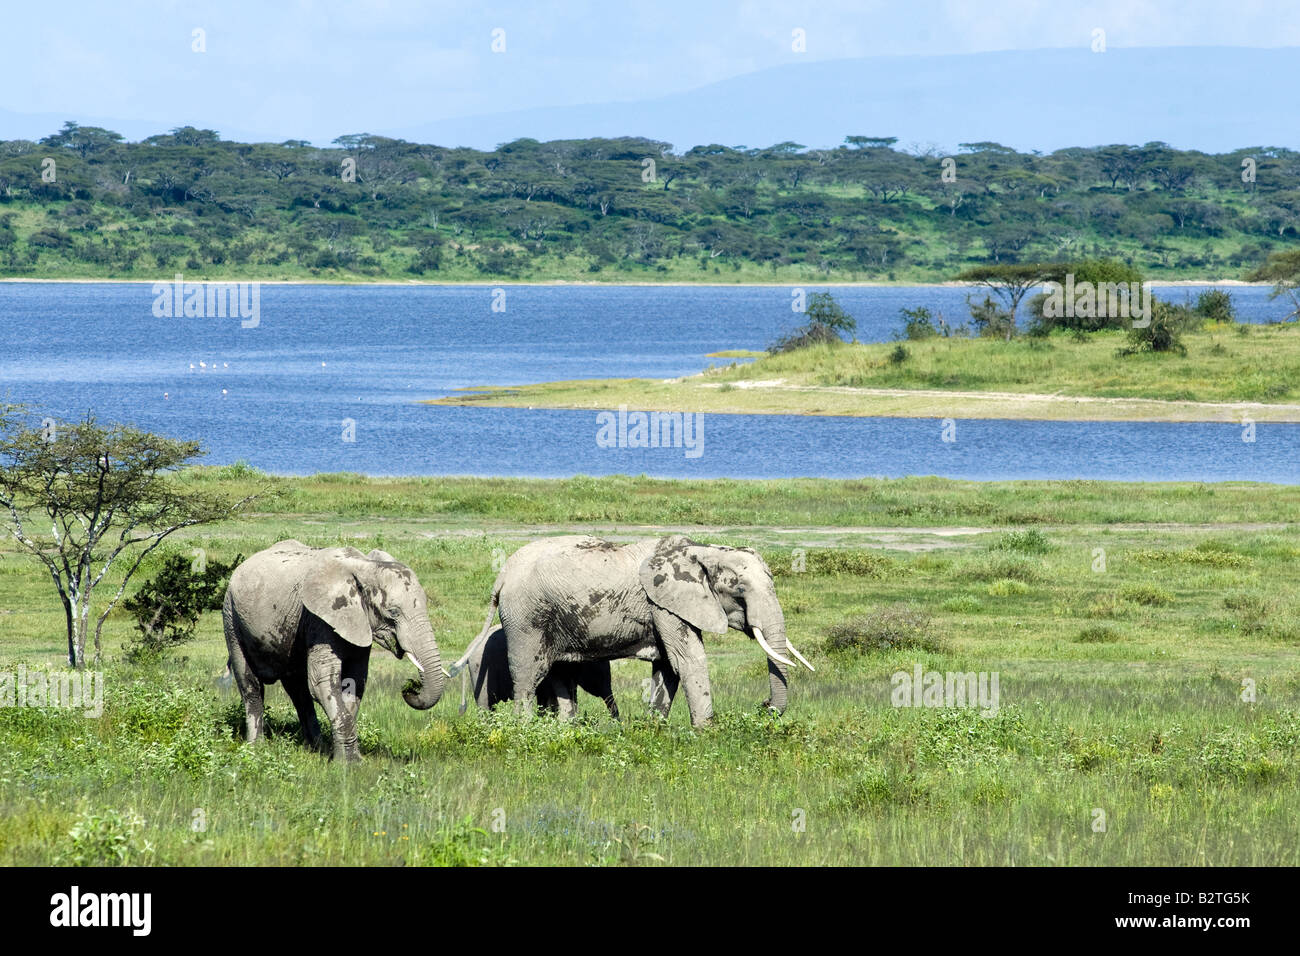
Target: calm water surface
pixel 276 395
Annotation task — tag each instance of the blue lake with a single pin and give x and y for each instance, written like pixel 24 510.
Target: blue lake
pixel 277 395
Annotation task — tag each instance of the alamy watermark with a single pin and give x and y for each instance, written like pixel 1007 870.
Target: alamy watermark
pixel 208 300
pixel 624 429
pixel 129 910
pixel 1101 300
pixel 66 689
pixel 921 688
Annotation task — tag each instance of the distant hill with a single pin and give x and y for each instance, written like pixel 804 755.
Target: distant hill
pixel 1213 99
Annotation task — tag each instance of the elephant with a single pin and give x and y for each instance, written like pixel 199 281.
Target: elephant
pixel 580 599
pixel 488 672
pixel 308 616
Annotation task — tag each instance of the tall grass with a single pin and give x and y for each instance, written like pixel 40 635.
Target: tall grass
pixel 1113 698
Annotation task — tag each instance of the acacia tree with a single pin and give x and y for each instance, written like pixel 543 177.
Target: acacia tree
pixel 1283 270
pixel 84 498
pixel 1010 283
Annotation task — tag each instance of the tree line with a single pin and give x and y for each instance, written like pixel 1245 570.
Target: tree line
pixel 84 201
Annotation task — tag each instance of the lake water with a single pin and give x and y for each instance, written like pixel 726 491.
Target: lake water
pixel 277 395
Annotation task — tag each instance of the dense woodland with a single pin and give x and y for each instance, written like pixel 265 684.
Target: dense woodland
pixel 606 209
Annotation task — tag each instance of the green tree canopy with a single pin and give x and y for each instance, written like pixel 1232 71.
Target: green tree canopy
pixel 87 499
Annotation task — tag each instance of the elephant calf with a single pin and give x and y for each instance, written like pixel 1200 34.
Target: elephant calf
pixel 308 616
pixel 581 600
pixel 488 673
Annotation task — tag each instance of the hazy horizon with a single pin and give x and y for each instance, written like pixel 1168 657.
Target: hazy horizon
pixel 316 70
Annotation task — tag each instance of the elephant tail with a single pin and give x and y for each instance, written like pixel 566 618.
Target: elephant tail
pixel 476 645
pixel 232 638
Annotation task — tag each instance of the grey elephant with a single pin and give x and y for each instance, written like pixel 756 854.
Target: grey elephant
pixel 308 616
pixel 579 599
pixel 488 673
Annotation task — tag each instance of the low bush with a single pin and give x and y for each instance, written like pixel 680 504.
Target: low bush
pixel 898 626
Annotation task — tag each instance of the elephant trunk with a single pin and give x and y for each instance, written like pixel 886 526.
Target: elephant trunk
pixel 423 649
pixel 768 627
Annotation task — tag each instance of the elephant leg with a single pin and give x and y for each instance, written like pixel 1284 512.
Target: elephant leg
pixel 528 666
pixel 685 652
pixel 250 689
pixel 663 687
pixel 325 678
pixel 548 700
pixel 594 678
pixel 489 672
pixel 563 697
pixel 296 688
pixel 355 671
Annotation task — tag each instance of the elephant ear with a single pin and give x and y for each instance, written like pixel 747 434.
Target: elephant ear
pixel 676 580
pixel 335 596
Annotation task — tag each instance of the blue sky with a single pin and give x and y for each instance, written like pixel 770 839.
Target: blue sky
pixel 314 69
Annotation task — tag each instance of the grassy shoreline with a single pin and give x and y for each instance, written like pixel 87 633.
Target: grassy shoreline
pixel 1120 689
pixel 1230 372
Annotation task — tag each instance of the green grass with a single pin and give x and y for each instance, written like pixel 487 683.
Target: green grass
pixel 1120 691
pixel 969 378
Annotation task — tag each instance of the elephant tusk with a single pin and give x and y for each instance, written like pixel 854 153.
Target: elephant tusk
pixel 802 660
pixel 447 674
pixel 767 649
pixel 418 666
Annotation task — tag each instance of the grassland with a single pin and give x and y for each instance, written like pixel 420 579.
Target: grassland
pixel 1121 691
pixel 1229 371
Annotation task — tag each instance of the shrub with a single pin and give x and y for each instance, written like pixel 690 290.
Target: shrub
pixel 1029 541
pixel 883 787
pixel 803 337
pixel 994 567
pixel 1254 611
pixel 106 838
pixel 166 608
pixel 1208 553
pixel 920 324
pixel 458 844
pixel 1163 333
pixel 1252 604
pixel 1147 594
pixel 899 355
pixel 1238 757
pixel 1095 272
pixel 1215 305
pixel 963 604
pixel 836 561
pixel 827 320
pixel 991 320
pixel 1098 634
pixel 898 626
